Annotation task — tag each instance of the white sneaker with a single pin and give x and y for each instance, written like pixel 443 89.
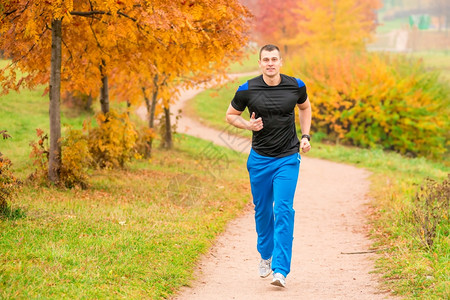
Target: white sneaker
pixel 279 280
pixel 265 267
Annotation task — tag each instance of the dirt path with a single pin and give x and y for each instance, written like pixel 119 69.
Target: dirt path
pixel 330 205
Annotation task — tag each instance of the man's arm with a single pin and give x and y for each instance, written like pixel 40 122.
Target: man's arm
pixel 234 118
pixel 305 123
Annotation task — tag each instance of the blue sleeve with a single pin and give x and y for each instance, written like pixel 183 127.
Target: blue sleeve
pixel 302 95
pixel 300 82
pixel 240 101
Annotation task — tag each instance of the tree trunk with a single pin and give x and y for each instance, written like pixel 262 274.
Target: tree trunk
pixel 151 121
pixel 151 110
pixel 168 135
pixel 88 106
pixel 150 107
pixel 54 161
pixel 147 103
pixel 104 93
pixel 128 107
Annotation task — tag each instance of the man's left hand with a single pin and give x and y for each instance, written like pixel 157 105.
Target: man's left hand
pixel 305 146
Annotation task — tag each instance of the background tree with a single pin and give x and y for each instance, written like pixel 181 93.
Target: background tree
pixel 342 24
pixel 275 21
pixel 98 37
pixel 210 37
pixel 323 23
pixel 33 33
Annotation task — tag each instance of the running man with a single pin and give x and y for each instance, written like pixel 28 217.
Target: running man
pixel 274 160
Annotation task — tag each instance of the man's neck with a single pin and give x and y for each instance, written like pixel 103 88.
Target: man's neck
pixel 272 81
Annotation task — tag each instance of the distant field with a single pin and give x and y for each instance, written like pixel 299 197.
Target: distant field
pixel 387 26
pixel 248 64
pixel 430 45
pixel 436 60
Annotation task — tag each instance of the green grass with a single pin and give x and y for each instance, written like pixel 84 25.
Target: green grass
pixel 21 114
pixel 438 60
pixel 388 26
pixel 409 269
pixel 134 233
pixel 247 64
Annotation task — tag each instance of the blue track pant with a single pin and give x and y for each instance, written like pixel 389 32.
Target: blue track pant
pixel 273 182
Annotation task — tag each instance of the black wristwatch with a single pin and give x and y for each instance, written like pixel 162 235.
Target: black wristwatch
pixel 306 136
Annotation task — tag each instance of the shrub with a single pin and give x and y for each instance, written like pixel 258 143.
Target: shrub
pixel 77 101
pixel 111 144
pixel 76 159
pixel 376 100
pixel 8 182
pixel 143 146
pixel 40 155
pixel 431 211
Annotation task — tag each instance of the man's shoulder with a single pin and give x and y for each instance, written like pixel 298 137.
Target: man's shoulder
pixel 243 87
pixel 250 84
pixel 256 82
pixel 292 80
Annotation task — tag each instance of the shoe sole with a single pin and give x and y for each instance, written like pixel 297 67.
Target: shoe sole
pixel 277 282
pixel 264 276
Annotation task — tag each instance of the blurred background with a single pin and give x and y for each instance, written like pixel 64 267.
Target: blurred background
pixel 400 25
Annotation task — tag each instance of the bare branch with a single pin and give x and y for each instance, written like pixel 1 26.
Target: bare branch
pixel 126 16
pixel 96 39
pixel 89 13
pixel 13 11
pixel 10 12
pixel 68 49
pixel 92 6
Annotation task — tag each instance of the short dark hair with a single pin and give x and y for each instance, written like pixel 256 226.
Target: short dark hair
pixel 269 48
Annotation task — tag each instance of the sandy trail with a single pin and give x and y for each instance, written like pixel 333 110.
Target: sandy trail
pixel 330 205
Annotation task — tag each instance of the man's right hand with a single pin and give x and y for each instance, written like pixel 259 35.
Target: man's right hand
pixel 255 124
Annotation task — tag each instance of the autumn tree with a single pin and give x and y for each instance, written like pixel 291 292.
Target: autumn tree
pixel 82 42
pixel 275 21
pixel 31 36
pixel 295 24
pixel 342 24
pixel 210 37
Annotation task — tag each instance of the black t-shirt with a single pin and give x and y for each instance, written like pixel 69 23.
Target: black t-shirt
pixel 276 106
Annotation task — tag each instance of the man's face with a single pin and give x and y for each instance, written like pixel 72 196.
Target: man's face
pixel 270 63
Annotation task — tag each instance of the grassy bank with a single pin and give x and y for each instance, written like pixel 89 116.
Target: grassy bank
pixel 410 269
pixel 133 234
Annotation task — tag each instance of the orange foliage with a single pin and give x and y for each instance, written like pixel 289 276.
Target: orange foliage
pixel 8 182
pixel 209 38
pixel 135 40
pixel 275 21
pixel 335 23
pixel 314 23
pixel 126 42
pixel 375 100
pixel 111 143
